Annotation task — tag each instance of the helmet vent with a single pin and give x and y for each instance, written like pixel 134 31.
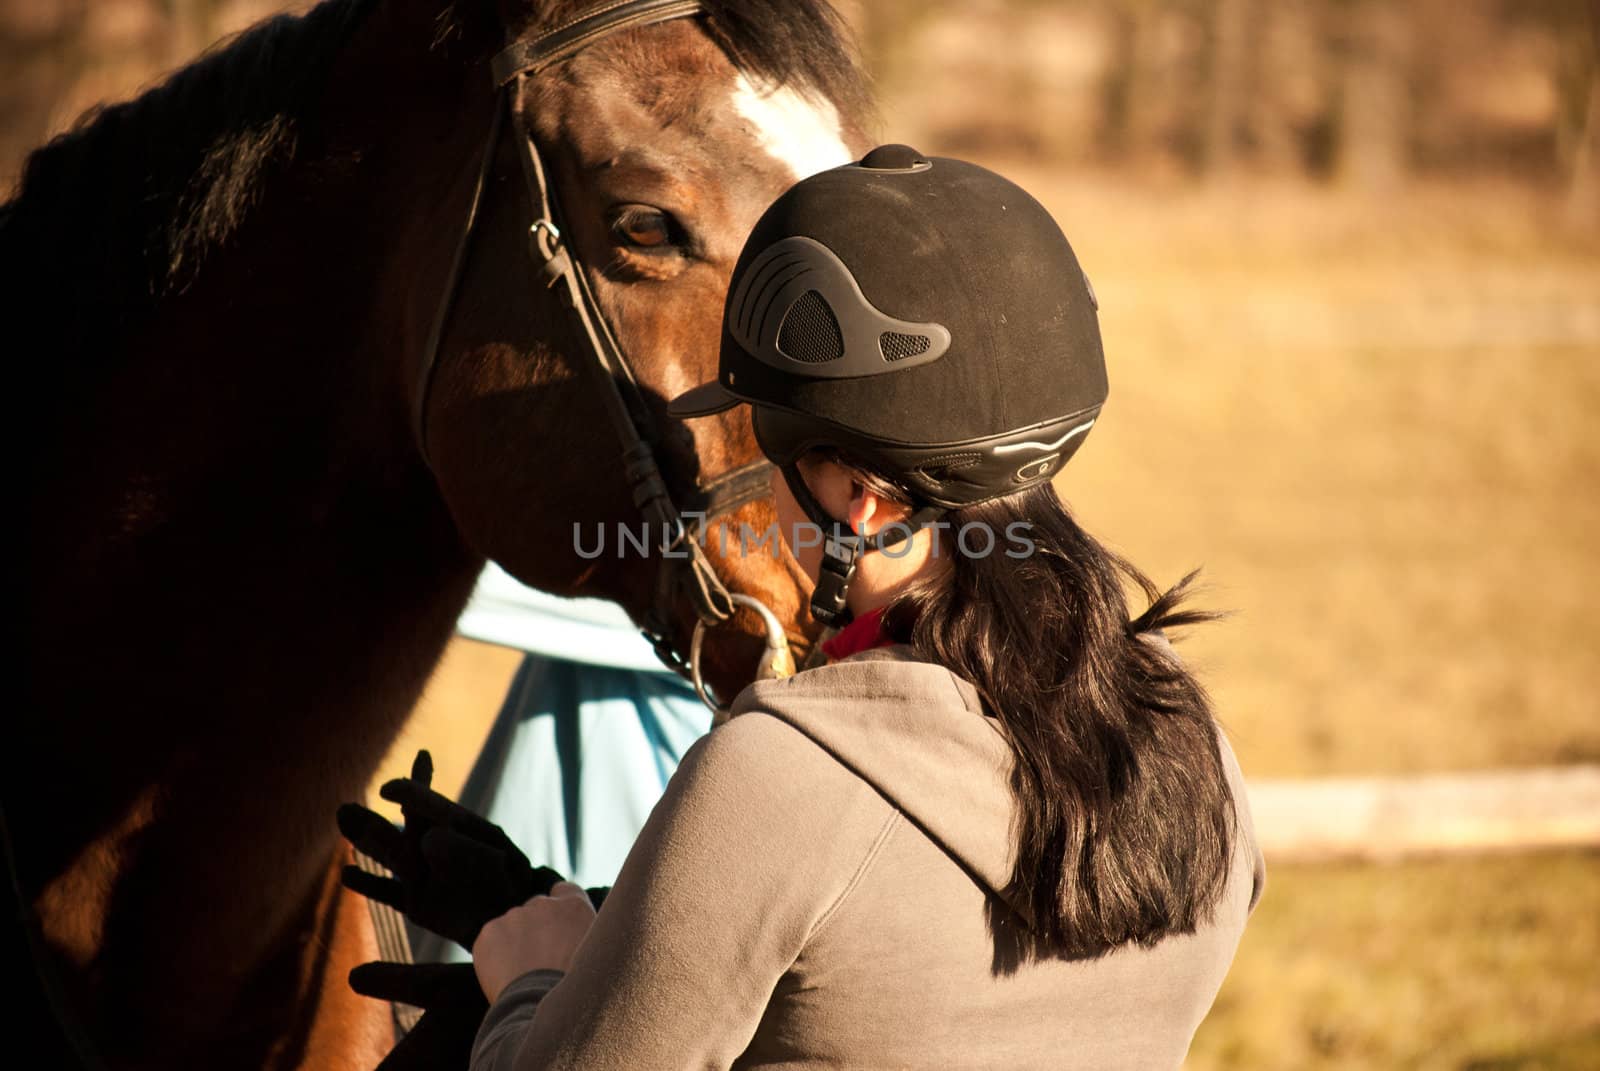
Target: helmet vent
pixel 810 332
pixel 897 346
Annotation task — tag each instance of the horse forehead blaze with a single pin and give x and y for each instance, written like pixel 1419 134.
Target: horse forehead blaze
pixel 799 130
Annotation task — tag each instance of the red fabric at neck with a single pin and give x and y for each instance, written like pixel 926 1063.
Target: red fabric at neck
pixel 862 634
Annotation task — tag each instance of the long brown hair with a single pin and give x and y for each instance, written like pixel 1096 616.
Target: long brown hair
pixel 1125 821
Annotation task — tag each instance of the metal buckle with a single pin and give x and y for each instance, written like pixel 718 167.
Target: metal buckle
pixel 839 554
pixel 544 238
pixel 842 549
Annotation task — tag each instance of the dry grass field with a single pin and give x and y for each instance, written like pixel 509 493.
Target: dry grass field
pixel 1483 964
pixel 1373 426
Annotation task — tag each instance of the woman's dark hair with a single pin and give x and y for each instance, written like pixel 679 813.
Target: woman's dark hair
pixel 1125 821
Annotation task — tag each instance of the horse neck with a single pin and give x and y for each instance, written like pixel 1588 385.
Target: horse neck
pixel 241 571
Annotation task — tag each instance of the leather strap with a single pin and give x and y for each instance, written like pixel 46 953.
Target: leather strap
pixel 731 490
pixel 684 564
pixel 394 943
pixel 630 415
pixel 528 57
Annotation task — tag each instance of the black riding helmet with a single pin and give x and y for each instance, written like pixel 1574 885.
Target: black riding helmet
pixel 922 315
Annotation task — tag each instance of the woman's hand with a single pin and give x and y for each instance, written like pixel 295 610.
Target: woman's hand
pixel 542 934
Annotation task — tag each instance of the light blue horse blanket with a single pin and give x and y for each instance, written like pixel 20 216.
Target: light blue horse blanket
pixel 589 733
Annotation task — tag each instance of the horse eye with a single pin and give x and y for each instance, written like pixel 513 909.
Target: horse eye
pixel 645 228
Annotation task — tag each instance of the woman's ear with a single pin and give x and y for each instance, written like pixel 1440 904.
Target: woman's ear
pixel 869 513
pixel 863 504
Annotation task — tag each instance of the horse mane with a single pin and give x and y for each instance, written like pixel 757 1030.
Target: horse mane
pixel 122 209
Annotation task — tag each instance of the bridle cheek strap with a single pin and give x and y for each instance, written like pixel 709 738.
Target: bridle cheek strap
pixel 620 392
pixel 684 563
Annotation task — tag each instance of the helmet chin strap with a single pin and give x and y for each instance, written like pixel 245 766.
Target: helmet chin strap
pixel 841 548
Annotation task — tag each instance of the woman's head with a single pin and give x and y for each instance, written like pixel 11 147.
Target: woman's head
pixel 923 315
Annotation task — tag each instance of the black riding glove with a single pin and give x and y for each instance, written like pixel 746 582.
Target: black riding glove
pixel 453 870
pixel 452 1010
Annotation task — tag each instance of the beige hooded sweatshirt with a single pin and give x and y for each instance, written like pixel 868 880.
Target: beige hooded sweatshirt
pixel 815 889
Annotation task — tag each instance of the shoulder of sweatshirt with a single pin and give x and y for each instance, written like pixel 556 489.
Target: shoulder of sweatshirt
pixel 917 732
pixel 874 676
pixel 912 731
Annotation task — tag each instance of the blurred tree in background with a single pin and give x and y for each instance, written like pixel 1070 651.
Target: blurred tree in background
pixel 1365 93
pixel 61 57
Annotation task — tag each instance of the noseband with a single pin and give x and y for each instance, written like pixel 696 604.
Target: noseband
pixel 683 562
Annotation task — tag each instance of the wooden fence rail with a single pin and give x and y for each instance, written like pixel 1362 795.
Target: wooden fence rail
pixel 1389 817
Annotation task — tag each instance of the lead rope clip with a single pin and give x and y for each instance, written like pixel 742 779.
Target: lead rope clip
pixel 777 661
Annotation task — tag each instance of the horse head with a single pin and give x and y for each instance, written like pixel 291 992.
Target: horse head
pixel 661 144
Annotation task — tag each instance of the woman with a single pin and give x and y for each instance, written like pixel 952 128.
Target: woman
pixel 1000 827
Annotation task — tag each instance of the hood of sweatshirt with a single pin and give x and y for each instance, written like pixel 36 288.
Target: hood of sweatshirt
pixel 917 733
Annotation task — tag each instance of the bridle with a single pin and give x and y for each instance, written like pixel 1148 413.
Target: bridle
pixel 683 565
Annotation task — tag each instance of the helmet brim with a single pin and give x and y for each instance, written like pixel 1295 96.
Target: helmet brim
pixel 704 400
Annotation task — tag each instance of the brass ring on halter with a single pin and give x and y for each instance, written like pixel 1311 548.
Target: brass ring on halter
pixel 776 663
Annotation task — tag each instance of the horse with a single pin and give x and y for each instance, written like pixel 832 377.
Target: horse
pixel 278 403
